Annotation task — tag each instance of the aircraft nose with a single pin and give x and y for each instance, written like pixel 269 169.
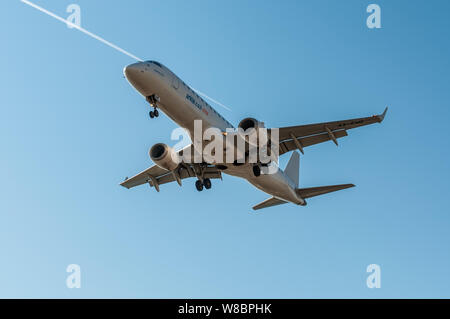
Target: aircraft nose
pixel 132 70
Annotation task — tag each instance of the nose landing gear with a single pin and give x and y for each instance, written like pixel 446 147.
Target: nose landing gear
pixel 153 100
pixel 154 113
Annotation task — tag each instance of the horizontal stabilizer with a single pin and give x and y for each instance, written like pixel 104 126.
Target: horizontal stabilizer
pixel 316 191
pixel 273 201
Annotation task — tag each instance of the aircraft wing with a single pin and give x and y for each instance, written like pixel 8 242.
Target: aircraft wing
pixel 144 176
pixel 156 175
pixel 298 137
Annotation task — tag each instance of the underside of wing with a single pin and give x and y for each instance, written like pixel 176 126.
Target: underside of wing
pixel 156 176
pixel 187 171
pixel 144 176
pixel 298 137
pixel 290 145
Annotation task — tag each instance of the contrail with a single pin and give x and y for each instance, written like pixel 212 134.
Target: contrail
pixel 112 45
pixel 212 100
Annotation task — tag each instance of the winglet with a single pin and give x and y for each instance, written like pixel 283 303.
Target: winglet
pixel 381 117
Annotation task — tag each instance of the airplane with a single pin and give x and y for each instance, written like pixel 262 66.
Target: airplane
pixel 165 91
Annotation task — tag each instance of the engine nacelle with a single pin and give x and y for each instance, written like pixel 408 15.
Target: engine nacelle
pixel 250 122
pixel 164 156
pixel 251 132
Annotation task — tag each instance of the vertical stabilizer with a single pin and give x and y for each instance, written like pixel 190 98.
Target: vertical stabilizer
pixel 292 169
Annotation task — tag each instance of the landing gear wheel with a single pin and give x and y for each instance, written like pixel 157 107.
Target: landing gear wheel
pixel 152 114
pixel 199 185
pixel 156 113
pixel 207 183
pixel 256 170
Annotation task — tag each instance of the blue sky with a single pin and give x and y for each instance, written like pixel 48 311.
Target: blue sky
pixel 72 128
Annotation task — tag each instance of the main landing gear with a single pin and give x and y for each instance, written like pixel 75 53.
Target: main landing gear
pixel 153 100
pixel 206 183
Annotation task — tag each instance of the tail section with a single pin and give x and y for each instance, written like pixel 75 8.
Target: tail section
pixel 316 191
pixel 293 168
pixel 292 171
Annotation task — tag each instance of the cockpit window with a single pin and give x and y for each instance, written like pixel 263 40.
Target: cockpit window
pixel 157 63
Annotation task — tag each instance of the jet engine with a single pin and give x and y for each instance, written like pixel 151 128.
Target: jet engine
pixel 164 156
pixel 249 122
pixel 251 131
pixel 258 141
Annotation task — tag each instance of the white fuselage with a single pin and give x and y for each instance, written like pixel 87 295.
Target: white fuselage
pixel 183 105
